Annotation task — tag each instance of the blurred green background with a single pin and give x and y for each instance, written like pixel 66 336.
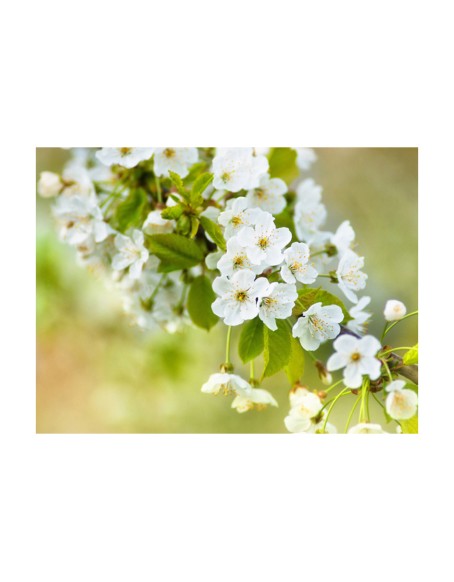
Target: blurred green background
pixel 97 374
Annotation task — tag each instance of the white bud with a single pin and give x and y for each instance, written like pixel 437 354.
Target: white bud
pixel 49 184
pixel 394 310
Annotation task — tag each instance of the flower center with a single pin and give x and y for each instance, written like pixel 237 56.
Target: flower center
pixel 295 267
pixel 225 177
pixel 355 357
pixel 169 153
pixel 269 301
pixel 263 242
pixel 237 220
pixel 125 152
pixel 259 193
pixel 238 261
pixel 241 296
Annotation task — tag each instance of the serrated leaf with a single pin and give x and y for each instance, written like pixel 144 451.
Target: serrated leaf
pixel 410 426
pixel 178 183
pixel 277 348
pixel 174 251
pixel 295 366
pixel 215 232
pixel 131 211
pixel 308 296
pixel 251 340
pixel 199 187
pixel 411 357
pixel 200 298
pixel 283 164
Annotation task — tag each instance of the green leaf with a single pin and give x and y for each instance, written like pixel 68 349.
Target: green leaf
pixel 283 164
pixel 251 340
pixel 308 296
pixel 410 426
pixel 131 211
pixel 295 366
pixel 285 218
pixel 174 251
pixel 199 187
pixel 214 230
pixel 411 357
pixel 172 212
pixel 200 298
pixel 277 349
pixel 178 183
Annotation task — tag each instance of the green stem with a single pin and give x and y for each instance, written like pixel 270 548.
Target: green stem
pixel 158 189
pixel 384 332
pixel 156 289
pixel 252 372
pixel 352 411
pixel 333 385
pixel 341 393
pixel 363 417
pixel 381 354
pixel 388 371
pixel 398 321
pixel 227 345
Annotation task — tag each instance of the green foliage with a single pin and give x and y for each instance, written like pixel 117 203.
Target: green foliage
pixel 178 183
pixel 283 164
pixel 251 340
pixel 295 366
pixel 285 218
pixel 307 297
pixel 200 298
pixel 132 211
pixel 174 251
pixel 199 187
pixel 277 348
pixel 410 426
pixel 215 232
pixel 411 357
pixel 172 212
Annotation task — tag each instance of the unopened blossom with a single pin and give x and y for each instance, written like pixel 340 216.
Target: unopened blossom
pixel 318 324
pixel 357 357
pixel 264 242
pixel 131 253
pixel 155 224
pixel 238 169
pixel 366 428
pixel 394 310
pixel 309 213
pixel 401 403
pixel 256 398
pixel 343 238
pixel 49 185
pixel 237 215
pixel 126 157
pixel 81 220
pixel 238 296
pixel 350 276
pixel 296 265
pixel 359 320
pixel 269 195
pixel 305 157
pixel 236 259
pixel 227 384
pixel 277 302
pixel 177 160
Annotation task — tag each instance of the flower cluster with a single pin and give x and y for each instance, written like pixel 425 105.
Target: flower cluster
pixel 189 236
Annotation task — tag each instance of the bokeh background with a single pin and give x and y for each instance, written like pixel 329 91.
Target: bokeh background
pixel 98 374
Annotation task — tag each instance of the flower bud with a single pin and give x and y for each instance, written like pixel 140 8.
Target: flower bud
pixel 394 310
pixel 323 373
pixel 49 185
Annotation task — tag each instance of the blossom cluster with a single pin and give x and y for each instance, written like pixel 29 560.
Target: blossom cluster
pixel 188 236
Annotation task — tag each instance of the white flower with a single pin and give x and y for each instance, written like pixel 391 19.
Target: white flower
pixel 394 310
pixel 227 384
pixel 350 276
pixel 318 324
pixel 81 220
pixel 255 398
pixel 49 184
pixel 357 356
pixel 366 428
pixel 212 259
pixel 176 160
pixel 78 182
pixel 306 413
pixel 236 259
pixel 237 215
pixel 310 213
pixel 277 302
pixel 264 242
pixel 155 224
pixel 238 169
pixel 305 157
pixel 360 317
pixel 343 237
pixel 126 157
pixel 131 253
pixel 269 195
pixel 239 296
pixel 297 267
pixel 401 403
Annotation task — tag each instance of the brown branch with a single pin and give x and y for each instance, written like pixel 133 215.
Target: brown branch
pixel 409 372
